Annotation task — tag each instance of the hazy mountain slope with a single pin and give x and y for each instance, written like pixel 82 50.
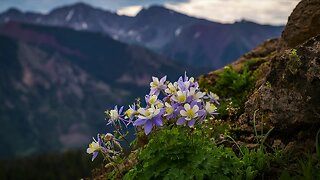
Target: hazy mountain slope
pixel 48 103
pixel 218 44
pixel 57 82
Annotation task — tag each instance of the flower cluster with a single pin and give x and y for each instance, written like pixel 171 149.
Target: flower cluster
pixel 180 102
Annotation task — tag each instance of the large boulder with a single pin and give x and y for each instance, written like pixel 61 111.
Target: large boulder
pixel 290 97
pixel 303 23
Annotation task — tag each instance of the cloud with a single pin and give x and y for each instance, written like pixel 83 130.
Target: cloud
pixel 129 11
pixel 47 5
pixel 274 12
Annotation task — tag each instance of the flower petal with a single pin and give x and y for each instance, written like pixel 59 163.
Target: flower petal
pixel 155 79
pixel 121 109
pixel 181 121
pixel 201 112
pixel 195 108
pixel 183 113
pixel 189 98
pixel 158 121
pixel 181 85
pixel 141 111
pixel 139 122
pixel 148 127
pixel 187 107
pixel 191 123
pixel 95 154
pixel 163 79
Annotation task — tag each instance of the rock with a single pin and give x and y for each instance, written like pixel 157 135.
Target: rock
pixel 303 23
pixel 291 98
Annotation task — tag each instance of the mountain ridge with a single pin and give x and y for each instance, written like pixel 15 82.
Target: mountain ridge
pixel 150 28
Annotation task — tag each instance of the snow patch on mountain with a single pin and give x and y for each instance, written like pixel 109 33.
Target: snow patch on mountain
pixel 196 35
pixel 69 15
pixel 178 31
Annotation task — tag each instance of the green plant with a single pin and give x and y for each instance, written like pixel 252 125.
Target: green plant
pixel 268 84
pixel 318 143
pixel 308 168
pixel 180 153
pixel 233 86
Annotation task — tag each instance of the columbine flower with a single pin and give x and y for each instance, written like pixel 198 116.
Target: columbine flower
pixel 152 99
pixel 156 86
pixel 108 137
pixel 172 88
pixel 189 114
pixel 196 96
pixel 115 115
pixel 210 108
pixel 130 112
pixel 95 147
pixel 180 97
pixel 148 117
pixel 213 97
pixel 185 83
pixel 169 111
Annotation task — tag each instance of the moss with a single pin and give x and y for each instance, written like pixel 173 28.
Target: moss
pixel 294 62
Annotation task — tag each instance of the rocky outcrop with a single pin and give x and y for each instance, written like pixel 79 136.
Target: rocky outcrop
pixel 290 99
pixel 303 23
pixel 286 96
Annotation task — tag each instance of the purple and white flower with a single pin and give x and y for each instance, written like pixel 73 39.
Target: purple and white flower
pixel 156 86
pixel 149 117
pixel 195 94
pixel 210 108
pixel 171 88
pixel 152 100
pixel 180 97
pixel 115 116
pixel 130 112
pixel 94 147
pixel 213 97
pixel 189 114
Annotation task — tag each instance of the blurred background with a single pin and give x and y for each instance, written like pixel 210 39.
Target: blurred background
pixel 64 62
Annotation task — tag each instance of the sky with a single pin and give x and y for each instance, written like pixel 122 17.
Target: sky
pixel 273 12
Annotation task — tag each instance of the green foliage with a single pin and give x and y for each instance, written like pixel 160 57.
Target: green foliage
pixel 294 62
pixel 308 168
pixel 180 153
pixel 234 87
pixel 318 143
pixel 268 84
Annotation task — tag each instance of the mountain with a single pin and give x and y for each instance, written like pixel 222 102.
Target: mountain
pixel 180 37
pixel 55 84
